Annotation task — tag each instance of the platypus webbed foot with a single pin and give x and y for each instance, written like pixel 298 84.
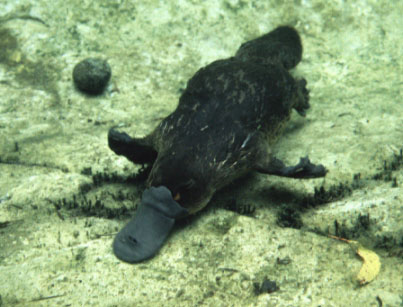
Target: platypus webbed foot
pixel 144 235
pixel 134 149
pixel 303 170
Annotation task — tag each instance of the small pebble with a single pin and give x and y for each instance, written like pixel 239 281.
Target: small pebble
pixel 267 286
pixel 92 75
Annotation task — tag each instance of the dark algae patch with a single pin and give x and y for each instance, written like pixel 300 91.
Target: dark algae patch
pixel 289 217
pixel 389 167
pixel 97 198
pixel 359 227
pixel 8 45
pixel 338 191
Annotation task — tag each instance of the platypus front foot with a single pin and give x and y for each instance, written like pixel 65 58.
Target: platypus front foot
pixel 134 149
pixel 303 170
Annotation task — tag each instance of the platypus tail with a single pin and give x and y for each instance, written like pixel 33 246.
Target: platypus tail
pixel 282 45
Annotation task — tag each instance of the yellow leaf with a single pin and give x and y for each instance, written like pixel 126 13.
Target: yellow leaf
pixel 371 266
pixel 371 262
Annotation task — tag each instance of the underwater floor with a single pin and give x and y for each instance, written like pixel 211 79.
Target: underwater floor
pixel 263 241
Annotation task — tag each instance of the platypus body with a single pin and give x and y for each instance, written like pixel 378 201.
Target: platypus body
pixel 224 126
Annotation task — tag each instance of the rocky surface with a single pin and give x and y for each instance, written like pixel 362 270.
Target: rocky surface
pixel 64 194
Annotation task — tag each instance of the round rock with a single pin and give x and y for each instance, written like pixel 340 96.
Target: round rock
pixel 91 75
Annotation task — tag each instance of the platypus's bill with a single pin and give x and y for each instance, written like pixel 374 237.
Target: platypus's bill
pixel 144 235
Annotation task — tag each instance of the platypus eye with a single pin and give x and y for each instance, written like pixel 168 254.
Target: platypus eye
pixel 182 188
pixel 187 185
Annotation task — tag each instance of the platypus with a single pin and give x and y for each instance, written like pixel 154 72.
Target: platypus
pixel 227 120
